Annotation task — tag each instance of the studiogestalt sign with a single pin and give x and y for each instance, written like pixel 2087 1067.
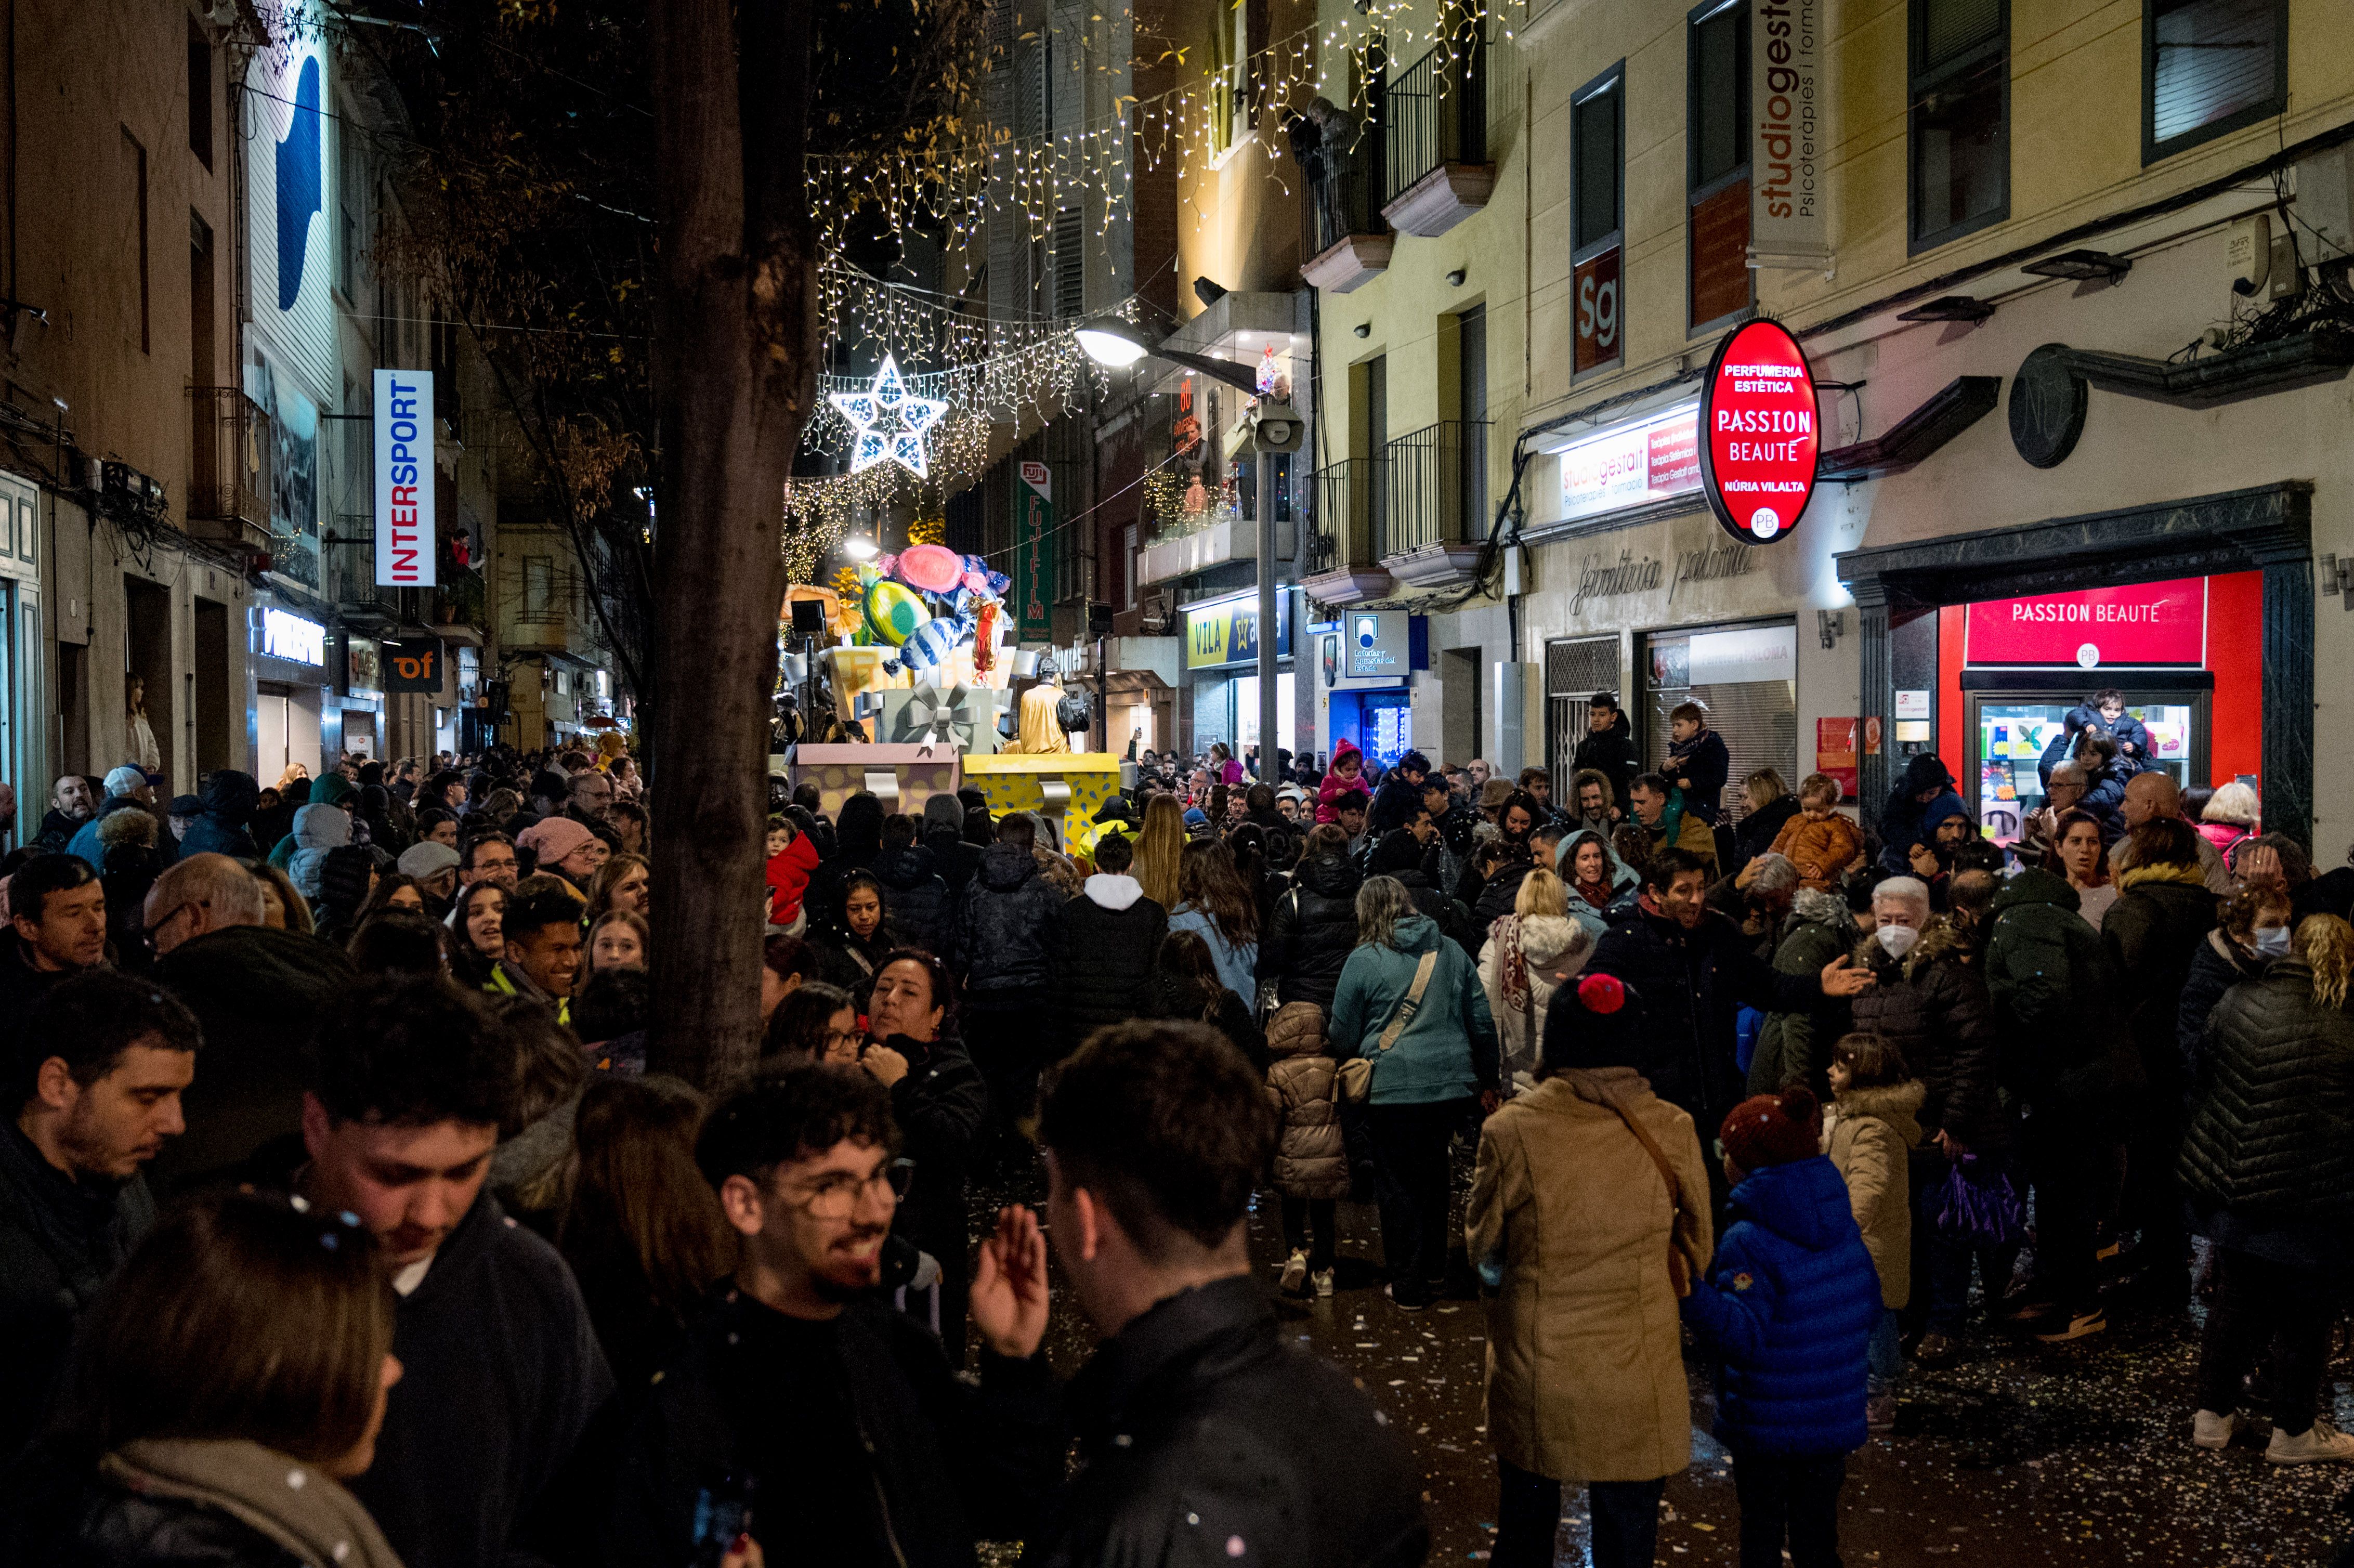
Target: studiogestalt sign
pixel 404 479
pixel 1760 433
pixel 1787 224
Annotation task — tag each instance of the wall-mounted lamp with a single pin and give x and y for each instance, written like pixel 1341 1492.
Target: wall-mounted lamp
pixel 1829 626
pixel 1455 277
pixel 2334 574
pixel 1363 329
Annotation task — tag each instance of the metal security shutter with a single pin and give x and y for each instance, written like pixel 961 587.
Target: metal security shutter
pixel 1575 668
pixel 1070 265
pixel 1758 719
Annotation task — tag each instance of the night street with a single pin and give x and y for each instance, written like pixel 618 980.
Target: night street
pixel 2021 1455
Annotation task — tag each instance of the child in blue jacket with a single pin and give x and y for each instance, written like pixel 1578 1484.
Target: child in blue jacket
pixel 1788 1309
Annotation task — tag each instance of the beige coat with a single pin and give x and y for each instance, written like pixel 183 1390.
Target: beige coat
pixel 1550 945
pixel 1569 1219
pixel 1868 1135
pixel 1304 1083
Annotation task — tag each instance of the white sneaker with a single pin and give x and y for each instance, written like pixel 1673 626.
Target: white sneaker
pixel 1295 1272
pixel 1323 1282
pixel 2324 1442
pixel 2209 1430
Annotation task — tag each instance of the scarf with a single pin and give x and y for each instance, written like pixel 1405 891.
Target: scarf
pixel 297 1506
pixel 1512 964
pixel 2134 877
pixel 1595 893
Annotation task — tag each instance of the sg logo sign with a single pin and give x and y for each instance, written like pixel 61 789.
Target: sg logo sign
pixel 1597 311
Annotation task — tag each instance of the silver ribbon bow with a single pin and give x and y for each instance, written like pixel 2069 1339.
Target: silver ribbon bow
pixel 935 715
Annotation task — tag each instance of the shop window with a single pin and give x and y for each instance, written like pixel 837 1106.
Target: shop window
pixel 1717 160
pixel 1960 132
pixel 1597 141
pixel 2210 66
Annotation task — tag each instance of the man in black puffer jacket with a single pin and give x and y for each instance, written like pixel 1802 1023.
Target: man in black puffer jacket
pixel 228 799
pixel 913 890
pixel 1002 945
pixel 1104 942
pixel 1313 927
pixel 1607 746
pixel 1409 855
pixel 955 860
pixel 1399 799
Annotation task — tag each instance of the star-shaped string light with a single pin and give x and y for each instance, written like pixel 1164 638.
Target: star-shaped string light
pixel 889 399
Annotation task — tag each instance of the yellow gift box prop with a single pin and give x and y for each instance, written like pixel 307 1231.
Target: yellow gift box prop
pixel 1065 788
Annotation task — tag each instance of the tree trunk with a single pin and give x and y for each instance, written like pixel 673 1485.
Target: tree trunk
pixel 735 374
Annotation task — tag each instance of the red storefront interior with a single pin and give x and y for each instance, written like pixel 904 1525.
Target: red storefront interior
pixel 2141 638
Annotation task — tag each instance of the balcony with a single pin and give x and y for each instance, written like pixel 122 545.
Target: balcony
pixel 1430 519
pixel 1344 238
pixel 1435 135
pixel 1214 544
pixel 348 555
pixel 1339 569
pixel 231 448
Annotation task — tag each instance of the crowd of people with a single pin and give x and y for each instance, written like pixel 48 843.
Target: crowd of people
pixel 343 1217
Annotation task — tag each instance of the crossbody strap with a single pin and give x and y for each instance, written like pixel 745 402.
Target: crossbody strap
pixel 1678 1271
pixel 1413 1002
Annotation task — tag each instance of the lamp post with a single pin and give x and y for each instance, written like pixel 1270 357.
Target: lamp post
pixel 1114 343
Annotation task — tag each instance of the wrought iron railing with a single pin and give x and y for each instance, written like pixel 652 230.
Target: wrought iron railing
pixel 232 448
pixel 1436 110
pixel 1434 491
pixel 1345 492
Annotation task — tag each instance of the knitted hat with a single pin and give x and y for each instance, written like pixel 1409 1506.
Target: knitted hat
pixel 1595 1024
pixel 553 838
pixel 1772 1130
pixel 426 861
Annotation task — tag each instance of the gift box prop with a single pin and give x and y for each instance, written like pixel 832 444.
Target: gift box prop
pixel 1065 788
pixel 959 717
pixel 902 776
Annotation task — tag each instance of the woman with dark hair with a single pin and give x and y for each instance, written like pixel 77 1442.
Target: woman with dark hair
pixel 786 964
pixel 1186 983
pixel 227 1384
pixel 393 890
pixel 818 1022
pixel 436 826
pixel 399 940
pixel 852 951
pixel 1214 905
pixel 643 1230
pixel 282 908
pixel 2079 853
pixel 938 1099
pixel 477 932
pixel 1313 929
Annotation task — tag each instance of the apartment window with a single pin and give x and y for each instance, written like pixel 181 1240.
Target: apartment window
pixel 1960 140
pixel 539 602
pixel 2210 66
pixel 1597 198
pixel 1128 566
pixel 200 94
pixel 1070 264
pixel 137 157
pixel 1717 158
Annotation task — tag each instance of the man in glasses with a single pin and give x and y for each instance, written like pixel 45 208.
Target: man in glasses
pixel 806 1411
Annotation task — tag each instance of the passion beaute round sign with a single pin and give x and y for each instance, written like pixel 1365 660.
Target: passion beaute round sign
pixel 1759 433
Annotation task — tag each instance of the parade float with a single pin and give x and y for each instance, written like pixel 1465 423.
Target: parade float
pixel 927 696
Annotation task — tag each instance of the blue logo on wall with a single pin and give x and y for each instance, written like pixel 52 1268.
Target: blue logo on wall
pixel 298 183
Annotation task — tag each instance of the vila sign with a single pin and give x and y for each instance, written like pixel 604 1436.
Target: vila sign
pixel 1759 435
pixel 2162 624
pixel 404 479
pixel 1787 223
pixel 1226 632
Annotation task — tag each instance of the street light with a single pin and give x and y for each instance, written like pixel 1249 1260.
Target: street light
pixel 1114 343
pixel 859 548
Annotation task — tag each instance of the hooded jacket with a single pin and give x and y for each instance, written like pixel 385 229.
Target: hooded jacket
pixel 788 877
pixel 2056 1002
pixel 1329 793
pixel 1687 986
pixel 1626 884
pixel 1795 1047
pixel 1303 1081
pixel 1932 1006
pixel 1312 931
pixel 914 894
pixel 230 799
pixel 1610 754
pixel 1905 821
pixel 2273 1137
pixel 2152 932
pixel 1821 851
pixel 1237 961
pixel 858 838
pixel 952 858
pixel 1104 944
pixel 1788 1310
pixel 1544 942
pixel 1005 926
pixel 317 830
pixel 1401 855
pixel 1396 803
pixel 1199 1423
pixel 1870 1135
pixel 1447 1050
pixel 2217 964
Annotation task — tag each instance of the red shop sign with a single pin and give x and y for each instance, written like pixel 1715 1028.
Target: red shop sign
pixel 1759 434
pixel 2137 624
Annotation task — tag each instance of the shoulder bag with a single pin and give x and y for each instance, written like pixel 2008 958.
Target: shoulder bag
pixel 1678 1272
pixel 1357 1072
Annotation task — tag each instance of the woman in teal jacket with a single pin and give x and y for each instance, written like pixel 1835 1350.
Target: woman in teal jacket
pixel 1425 1084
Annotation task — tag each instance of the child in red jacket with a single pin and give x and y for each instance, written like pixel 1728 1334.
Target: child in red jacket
pixel 791 858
